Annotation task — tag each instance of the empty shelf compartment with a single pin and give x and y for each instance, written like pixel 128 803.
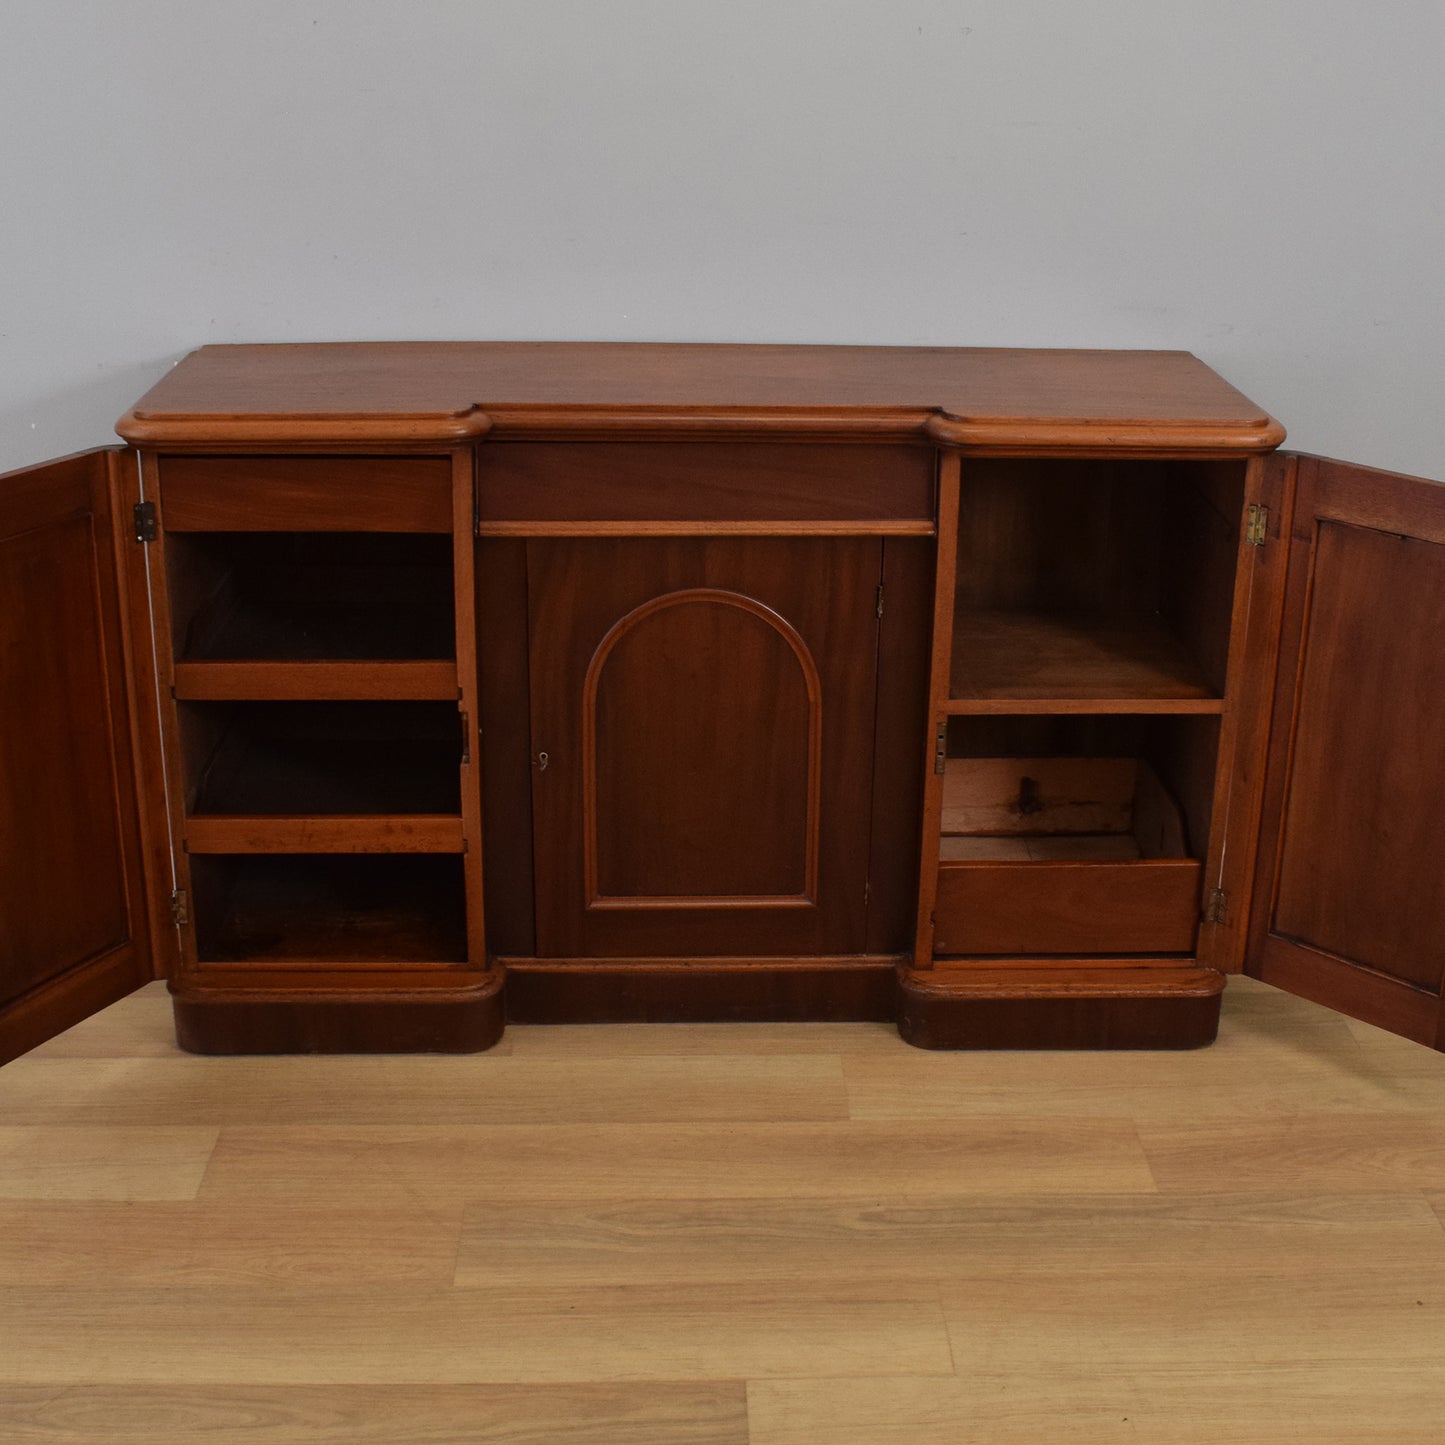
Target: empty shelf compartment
pixel 310 596
pixel 262 758
pixel 332 909
pixel 1085 581
pixel 1013 659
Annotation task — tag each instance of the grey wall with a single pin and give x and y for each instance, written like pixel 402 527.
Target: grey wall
pixel 1258 181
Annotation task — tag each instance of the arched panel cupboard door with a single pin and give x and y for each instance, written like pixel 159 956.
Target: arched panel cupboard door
pixel 1349 901
pixel 702 714
pixel 74 930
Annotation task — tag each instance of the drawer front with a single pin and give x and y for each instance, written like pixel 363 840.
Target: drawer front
pixel 1074 908
pixel 306 494
pixel 555 486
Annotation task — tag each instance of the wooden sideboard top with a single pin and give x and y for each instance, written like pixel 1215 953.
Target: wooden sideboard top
pixel 395 393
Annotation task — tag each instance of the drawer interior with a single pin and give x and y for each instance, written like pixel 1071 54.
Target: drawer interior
pixel 1089 853
pixel 1057 809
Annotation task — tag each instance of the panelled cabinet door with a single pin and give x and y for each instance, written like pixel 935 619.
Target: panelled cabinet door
pixel 1349 901
pixel 73 930
pixel 702 734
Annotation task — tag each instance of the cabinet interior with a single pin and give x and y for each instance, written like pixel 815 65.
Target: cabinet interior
pixel 1073 835
pixel 1078 786
pixel 310 595
pixel 304 598
pixel 332 908
pixel 320 757
pixel 1081 579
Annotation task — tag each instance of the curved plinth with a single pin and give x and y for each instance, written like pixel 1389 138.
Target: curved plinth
pixel 1070 1006
pixel 395 1017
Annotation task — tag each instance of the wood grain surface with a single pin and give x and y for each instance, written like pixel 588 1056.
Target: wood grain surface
pixel 678 813
pixel 74 934
pixel 312 494
pixel 740 1235
pixel 1348 908
pixel 400 392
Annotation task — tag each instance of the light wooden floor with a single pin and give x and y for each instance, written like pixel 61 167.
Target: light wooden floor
pixel 776 1235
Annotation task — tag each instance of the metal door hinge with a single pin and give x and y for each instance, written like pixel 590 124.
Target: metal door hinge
pixel 940 748
pixel 1216 907
pixel 147 526
pixel 180 907
pixel 878 610
pixel 1257 528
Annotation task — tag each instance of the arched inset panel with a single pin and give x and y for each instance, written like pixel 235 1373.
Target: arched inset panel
pixel 701 757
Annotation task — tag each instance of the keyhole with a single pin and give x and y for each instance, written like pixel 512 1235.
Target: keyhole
pixel 1029 800
pixel 542 761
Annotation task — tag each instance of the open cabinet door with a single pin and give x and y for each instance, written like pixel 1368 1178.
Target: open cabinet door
pixel 74 931
pixel 1349 900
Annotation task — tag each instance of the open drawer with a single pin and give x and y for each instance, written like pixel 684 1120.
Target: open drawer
pixel 1062 856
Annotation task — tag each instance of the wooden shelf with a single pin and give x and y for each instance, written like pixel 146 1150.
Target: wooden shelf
pixel 1021 662
pixel 321 833
pixel 317 680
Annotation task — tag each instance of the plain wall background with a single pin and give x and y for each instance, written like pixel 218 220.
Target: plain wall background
pixel 1261 182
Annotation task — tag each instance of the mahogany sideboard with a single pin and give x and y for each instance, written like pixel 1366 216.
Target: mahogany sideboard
pixel 377 694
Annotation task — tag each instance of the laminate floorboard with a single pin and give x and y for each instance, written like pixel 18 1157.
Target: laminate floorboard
pixel 65 1161
pixel 629 1041
pixel 426 1090
pixel 1142 1237
pixel 1366 1313
pixel 287 1245
pixel 872 1160
pixel 657 1413
pixel 1265 1403
pixel 55 1335
pixel 138 1027
pixel 1328 1152
pixel 726 1235
pixel 1240 1083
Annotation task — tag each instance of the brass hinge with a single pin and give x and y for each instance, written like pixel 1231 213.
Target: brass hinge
pixel 1257 528
pixel 180 907
pixel 147 527
pixel 1216 909
pixel 940 748
pixel 878 611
